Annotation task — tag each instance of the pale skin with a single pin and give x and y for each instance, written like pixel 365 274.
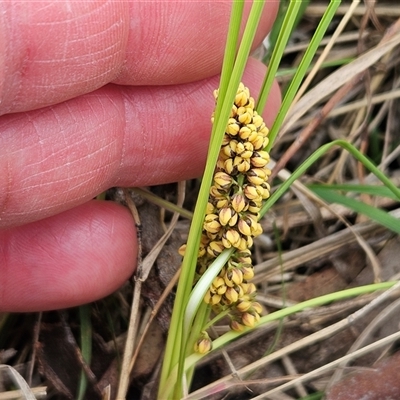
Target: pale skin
pixel 94 95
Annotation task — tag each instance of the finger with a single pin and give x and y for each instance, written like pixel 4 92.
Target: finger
pixel 73 258
pixel 64 155
pixel 53 51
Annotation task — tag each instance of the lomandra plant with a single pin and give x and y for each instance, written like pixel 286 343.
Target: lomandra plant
pixel 217 268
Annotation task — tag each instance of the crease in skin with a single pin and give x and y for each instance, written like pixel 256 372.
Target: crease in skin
pixel 171 123
pixel 63 158
pixel 57 55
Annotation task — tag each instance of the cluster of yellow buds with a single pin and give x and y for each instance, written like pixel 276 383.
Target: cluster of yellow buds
pixel 236 195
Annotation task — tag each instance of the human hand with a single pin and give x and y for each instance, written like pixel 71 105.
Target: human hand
pixel 85 106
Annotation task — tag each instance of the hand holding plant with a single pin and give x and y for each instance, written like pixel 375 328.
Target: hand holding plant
pixel 94 96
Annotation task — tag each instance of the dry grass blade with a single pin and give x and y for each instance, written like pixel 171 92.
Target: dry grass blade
pixel 390 311
pixel 134 317
pixel 343 75
pixel 318 249
pixel 39 393
pixel 25 391
pixel 326 51
pixel 383 10
pixel 319 371
pixel 152 256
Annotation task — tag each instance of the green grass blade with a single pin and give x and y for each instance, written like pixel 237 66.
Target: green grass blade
pixel 302 69
pixel 279 48
pixel 376 214
pixel 285 312
pixel 373 190
pixel 203 285
pixel 86 346
pixel 314 157
pixel 278 24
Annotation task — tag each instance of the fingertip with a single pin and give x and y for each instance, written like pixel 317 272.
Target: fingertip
pixel 75 257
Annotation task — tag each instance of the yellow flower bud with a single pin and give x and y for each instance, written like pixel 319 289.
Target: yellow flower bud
pixel 231 238
pixel 245 253
pixel 258 120
pixel 248 272
pixel 207 297
pixel 249 288
pixel 251 103
pixel 239 202
pixel 239 290
pixel 241 164
pixel 265 194
pixel 203 345
pixel 230 148
pixel 255 206
pixel 202 251
pixel 211 223
pixel 242 95
pixel 243 244
pixel 217 192
pixel 214 236
pixel 245 115
pixel 210 208
pixel 222 203
pixel 244 150
pixel 231 295
pixel 227 216
pixel 182 250
pixel 222 180
pixel 232 127
pixel 218 286
pixel 255 180
pixel 215 299
pixel 257 176
pixel 257 230
pixel 250 191
pixel 229 167
pixel 245 132
pixel 258 142
pixel 239 147
pixel 237 326
pixel 233 111
pixel 257 307
pixel 260 159
pixel 215 248
pixel 243 305
pixel 244 257
pixel 212 298
pixel 233 277
pixel 249 319
pixel 244 227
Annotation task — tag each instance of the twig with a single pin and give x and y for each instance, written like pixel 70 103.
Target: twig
pixel 130 339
